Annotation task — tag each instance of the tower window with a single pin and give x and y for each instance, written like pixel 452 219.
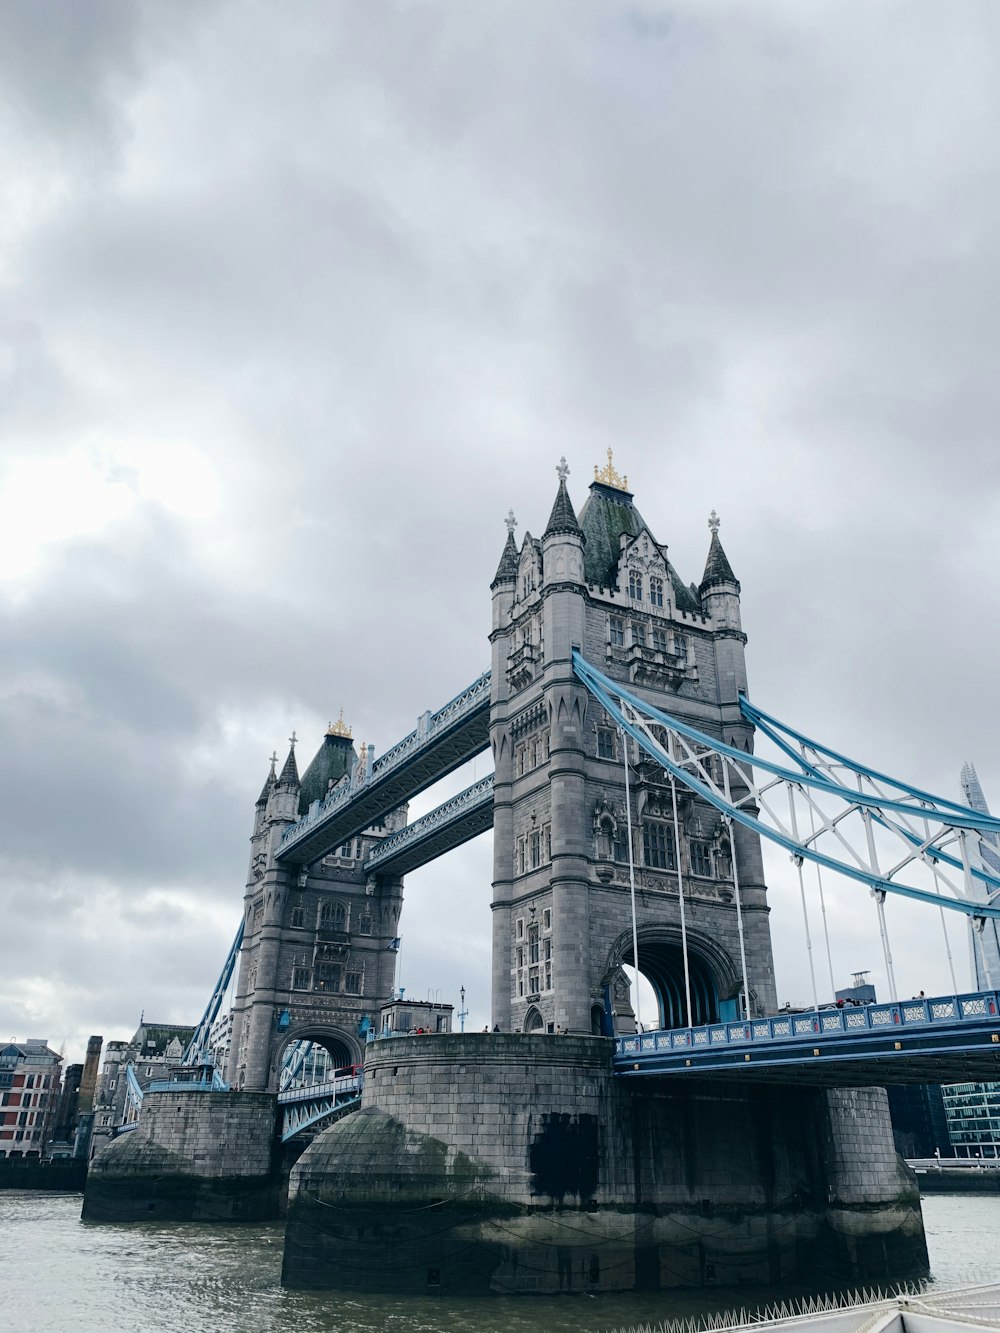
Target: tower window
pixel 300 978
pixel 536 849
pixel 327 977
pixel 659 640
pixel 605 743
pixel 333 916
pixel 298 918
pixel 681 645
pixel 639 635
pixel 701 858
pixel 656 591
pixel 616 631
pixel 658 846
pixel 354 983
pixel 635 585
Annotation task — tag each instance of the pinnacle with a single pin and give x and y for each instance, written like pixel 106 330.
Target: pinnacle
pixel 289 775
pixel 563 517
pixel 717 566
pixel 507 568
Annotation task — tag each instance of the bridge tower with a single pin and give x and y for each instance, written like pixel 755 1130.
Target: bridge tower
pixel 317 957
pixel 601 582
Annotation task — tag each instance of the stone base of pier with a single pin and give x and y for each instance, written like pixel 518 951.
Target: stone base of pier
pixel 514 1163
pixel 195 1156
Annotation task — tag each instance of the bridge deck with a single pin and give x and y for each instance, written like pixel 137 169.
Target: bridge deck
pixel 441 743
pixel 455 822
pixel 946 1039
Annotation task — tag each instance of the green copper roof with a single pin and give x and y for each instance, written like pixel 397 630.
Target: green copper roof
pixel 333 759
pixel 607 515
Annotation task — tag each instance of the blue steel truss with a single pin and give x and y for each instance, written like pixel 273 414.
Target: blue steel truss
pixel 302 1108
pixel 933 835
pixel 198 1051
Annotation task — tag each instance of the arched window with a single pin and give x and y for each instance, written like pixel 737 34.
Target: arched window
pixel 656 591
pixel 635 585
pixel 333 916
pixel 533 1021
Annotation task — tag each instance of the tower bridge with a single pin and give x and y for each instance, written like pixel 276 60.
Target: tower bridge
pixel 633 785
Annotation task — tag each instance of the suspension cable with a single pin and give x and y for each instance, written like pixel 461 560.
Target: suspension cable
pixel 822 898
pixel 631 878
pixel 802 895
pixel 736 890
pixel 680 880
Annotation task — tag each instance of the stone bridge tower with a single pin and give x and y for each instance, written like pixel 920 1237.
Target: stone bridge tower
pixel 601 582
pixel 318 954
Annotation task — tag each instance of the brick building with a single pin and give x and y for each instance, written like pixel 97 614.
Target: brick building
pixel 30 1087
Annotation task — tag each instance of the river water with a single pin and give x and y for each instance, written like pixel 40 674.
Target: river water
pixel 61 1275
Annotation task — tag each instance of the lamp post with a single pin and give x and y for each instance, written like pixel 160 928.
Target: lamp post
pixel 463 1013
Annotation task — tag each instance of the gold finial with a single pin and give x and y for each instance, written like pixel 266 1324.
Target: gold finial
pixel 339 728
pixel 607 476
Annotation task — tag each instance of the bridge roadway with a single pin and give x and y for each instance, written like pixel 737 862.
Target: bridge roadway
pixel 945 1039
pixel 440 743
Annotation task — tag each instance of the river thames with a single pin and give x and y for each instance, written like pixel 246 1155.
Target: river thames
pixel 62 1275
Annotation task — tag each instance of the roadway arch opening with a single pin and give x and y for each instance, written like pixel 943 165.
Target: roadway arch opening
pixel 712 975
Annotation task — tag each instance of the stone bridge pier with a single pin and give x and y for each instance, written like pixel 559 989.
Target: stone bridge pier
pixel 517 1163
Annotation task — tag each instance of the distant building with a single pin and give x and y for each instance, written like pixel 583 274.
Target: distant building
pixel 861 992
pixel 64 1126
pixel 919 1122
pixel 403 1015
pixel 984 945
pixel 220 1039
pixel 155 1051
pixel 30 1087
pixel 973 1114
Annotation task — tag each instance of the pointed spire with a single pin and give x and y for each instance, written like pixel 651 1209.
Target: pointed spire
pixel 717 566
pixel 269 781
pixel 507 568
pixel 290 773
pixel 563 516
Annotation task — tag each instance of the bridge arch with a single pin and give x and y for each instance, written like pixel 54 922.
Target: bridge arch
pixel 714 974
pixel 342 1047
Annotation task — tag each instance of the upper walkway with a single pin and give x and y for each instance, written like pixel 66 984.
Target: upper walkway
pixel 947 1039
pixel 440 743
pixel 458 820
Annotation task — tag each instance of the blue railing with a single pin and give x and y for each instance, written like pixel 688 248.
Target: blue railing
pixel 204 1081
pixel 470 699
pixel 976 1007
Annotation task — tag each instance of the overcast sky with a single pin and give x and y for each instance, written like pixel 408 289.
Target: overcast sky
pixel 296 300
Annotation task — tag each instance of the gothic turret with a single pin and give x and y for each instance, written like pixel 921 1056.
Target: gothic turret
pixel 284 798
pixel 720 588
pixel 505 579
pixel 563 540
pixel 265 795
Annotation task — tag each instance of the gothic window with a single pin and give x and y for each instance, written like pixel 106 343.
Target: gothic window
pixel 525 584
pixel 658 846
pixel 547 919
pixel 616 631
pixel 354 982
pixel 327 977
pixel 520 927
pixel 681 645
pixel 659 640
pixel 635 585
pixel 701 858
pixel 520 958
pixel 605 743
pixel 639 635
pixel 520 856
pixel 298 918
pixel 333 916
pixel 619 847
pixel 548 842
pixel 534 985
pixel 365 924
pixel 536 850
pixel 300 978
pixel 656 591
pixel 533 945
pixel 546 950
